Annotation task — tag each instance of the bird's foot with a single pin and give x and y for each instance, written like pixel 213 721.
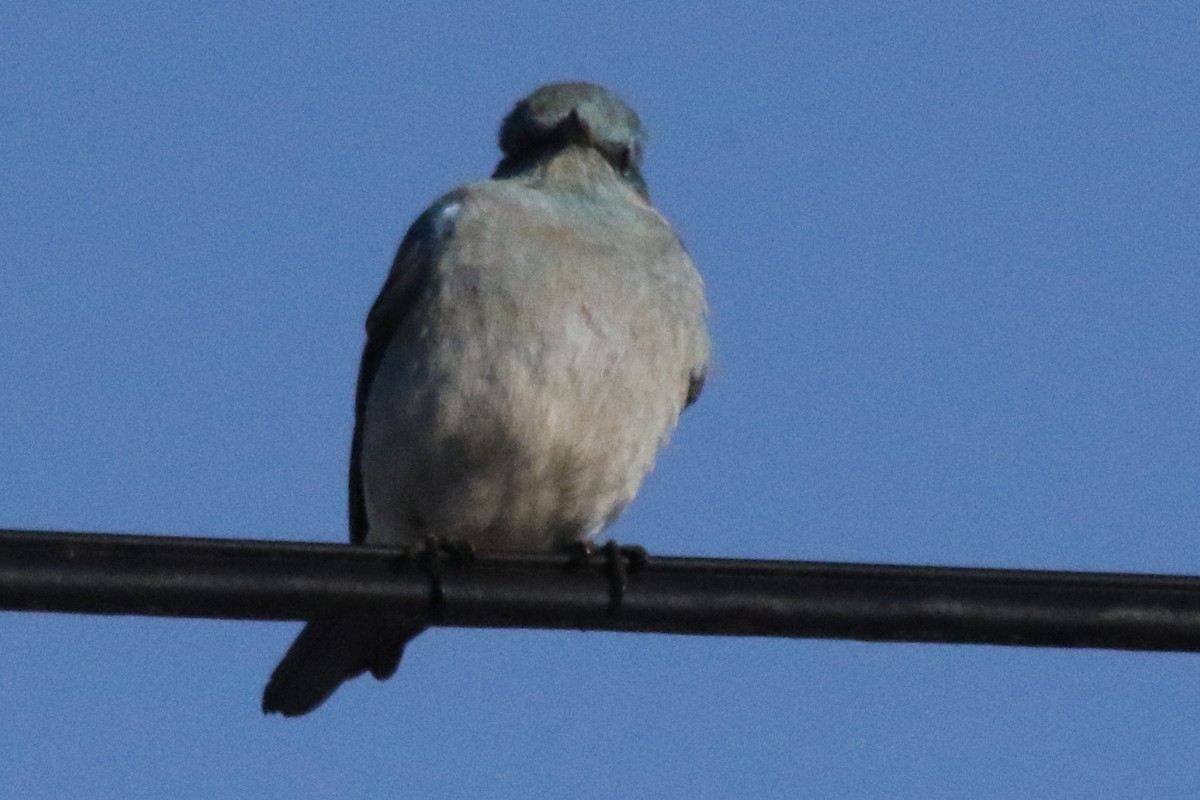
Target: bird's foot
pixel 432 555
pixel 620 561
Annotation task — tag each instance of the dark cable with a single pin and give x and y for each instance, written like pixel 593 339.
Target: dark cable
pixel 271 580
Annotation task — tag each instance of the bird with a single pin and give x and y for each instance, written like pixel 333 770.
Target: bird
pixel 531 350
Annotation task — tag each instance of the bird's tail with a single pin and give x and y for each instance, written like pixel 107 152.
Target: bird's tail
pixel 329 652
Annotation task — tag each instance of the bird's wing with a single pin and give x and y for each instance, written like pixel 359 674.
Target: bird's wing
pixel 695 307
pixel 407 280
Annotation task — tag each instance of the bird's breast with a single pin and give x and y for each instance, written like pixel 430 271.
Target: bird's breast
pixel 523 402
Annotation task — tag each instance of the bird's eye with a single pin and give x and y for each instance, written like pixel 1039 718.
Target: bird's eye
pixel 624 158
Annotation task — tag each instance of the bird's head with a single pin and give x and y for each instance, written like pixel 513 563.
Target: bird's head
pixel 560 115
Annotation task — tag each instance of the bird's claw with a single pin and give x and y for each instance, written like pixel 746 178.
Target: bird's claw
pixel 620 561
pixel 431 556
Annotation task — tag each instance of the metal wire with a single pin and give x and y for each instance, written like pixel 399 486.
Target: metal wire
pixel 270 580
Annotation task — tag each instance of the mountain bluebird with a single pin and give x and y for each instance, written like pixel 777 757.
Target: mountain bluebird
pixel 532 348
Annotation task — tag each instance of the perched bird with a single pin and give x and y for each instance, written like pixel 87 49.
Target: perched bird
pixel 534 344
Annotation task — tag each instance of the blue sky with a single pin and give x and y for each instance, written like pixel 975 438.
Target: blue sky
pixel 953 260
